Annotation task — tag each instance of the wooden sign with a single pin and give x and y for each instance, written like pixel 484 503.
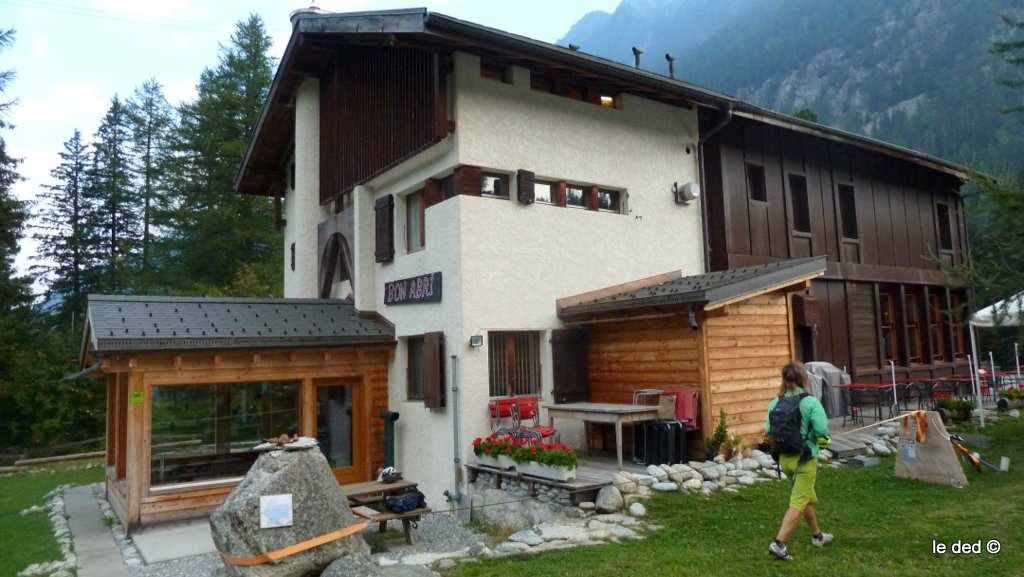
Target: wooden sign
pixel 418 289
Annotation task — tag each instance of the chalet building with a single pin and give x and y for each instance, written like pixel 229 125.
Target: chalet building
pixel 527 219
pixel 465 183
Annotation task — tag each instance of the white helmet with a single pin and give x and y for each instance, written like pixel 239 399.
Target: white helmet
pixel 389 475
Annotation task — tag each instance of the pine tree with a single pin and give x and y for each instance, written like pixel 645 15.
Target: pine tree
pixel 221 235
pixel 111 194
pixel 151 121
pixel 67 246
pixel 1011 51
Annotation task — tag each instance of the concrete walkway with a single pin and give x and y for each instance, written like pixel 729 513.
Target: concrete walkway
pixel 98 554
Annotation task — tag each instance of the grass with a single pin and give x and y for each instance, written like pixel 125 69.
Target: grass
pixel 29 539
pixel 883 526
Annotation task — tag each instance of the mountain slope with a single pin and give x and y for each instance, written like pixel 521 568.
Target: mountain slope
pixel 916 72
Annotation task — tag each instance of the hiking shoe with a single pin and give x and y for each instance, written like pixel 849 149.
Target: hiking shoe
pixel 779 552
pixel 825 538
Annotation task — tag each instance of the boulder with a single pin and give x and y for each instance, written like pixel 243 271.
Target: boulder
pixel 624 483
pixel 318 507
pixel 609 500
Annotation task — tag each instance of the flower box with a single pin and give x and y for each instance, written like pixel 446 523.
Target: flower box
pixel 497 462
pixel 555 473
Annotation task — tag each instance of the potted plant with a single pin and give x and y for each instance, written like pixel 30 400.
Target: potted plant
pixel 1011 398
pixel 495 451
pixel 547 460
pixel 957 409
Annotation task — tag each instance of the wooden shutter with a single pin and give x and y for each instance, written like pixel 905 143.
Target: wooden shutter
pixel 569 361
pixel 384 207
pixel 558 193
pixel 591 198
pixel 524 185
pixel 433 370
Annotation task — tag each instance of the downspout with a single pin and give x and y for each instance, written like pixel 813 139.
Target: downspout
pixel 455 495
pixel 726 118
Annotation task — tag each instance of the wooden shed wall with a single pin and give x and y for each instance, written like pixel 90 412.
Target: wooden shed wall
pixel 141 505
pixel 747 344
pixel 734 359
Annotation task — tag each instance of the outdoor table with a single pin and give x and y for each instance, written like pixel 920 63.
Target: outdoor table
pixel 876 390
pixel 367 501
pixel 604 413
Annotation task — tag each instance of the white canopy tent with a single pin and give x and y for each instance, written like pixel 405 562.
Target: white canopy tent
pixel 1005 313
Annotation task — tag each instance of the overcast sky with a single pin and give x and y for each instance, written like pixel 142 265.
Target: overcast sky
pixel 71 57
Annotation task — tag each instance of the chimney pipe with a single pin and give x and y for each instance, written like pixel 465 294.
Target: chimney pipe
pixel 636 56
pixel 574 47
pixel 671 65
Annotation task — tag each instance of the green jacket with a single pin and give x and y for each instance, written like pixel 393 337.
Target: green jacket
pixel 814 419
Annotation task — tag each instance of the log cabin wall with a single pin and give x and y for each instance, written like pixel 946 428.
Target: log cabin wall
pixel 747 344
pixel 128 472
pixel 885 225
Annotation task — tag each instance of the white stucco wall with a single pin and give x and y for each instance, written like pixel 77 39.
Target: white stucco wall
pixel 302 210
pixel 505 264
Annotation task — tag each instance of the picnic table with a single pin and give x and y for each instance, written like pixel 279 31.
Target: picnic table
pixel 367 500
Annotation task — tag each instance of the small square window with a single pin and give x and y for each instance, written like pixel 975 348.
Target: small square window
pixel 495 185
pixel 608 201
pixel 608 102
pixel 542 192
pixel 574 196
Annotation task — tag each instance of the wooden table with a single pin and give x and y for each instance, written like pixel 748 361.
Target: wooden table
pixel 604 413
pixel 367 501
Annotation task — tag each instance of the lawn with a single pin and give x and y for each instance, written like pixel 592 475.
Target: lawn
pixel 29 539
pixel 882 526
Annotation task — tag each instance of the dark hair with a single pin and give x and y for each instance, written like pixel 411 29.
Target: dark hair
pixel 794 376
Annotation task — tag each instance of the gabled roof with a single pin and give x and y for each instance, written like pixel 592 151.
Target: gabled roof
pixel 147 323
pixel 316 34
pixel 703 290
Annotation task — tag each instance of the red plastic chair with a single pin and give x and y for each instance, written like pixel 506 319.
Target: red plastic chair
pixel 528 408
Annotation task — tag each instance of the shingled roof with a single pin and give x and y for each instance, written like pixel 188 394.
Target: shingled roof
pixel 702 290
pixel 148 323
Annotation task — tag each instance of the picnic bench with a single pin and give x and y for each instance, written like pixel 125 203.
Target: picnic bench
pixel 367 501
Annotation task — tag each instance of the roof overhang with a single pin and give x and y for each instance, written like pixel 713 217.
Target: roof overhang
pixel 707 291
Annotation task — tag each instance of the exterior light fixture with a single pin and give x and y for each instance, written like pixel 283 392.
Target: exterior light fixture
pixel 476 341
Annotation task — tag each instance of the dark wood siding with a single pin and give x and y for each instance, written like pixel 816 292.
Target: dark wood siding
pixel 569 363
pixel 863 326
pixel 378 105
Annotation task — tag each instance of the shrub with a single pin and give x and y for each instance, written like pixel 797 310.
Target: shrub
pixel 954 405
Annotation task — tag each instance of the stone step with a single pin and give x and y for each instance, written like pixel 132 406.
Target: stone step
pixel 844 448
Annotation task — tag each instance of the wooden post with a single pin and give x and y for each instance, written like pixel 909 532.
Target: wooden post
pixel 137 453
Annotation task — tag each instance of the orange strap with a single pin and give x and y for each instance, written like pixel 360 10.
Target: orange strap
pixel 293 549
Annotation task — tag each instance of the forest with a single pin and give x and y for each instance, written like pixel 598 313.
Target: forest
pixel 146 205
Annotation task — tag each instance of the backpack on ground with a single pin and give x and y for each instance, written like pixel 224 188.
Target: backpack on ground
pixel 784 420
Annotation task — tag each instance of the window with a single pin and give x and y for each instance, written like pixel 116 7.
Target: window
pixel 414 369
pixel 575 196
pixel 207 431
pixel 495 185
pixel 755 183
pixel 887 324
pixel 798 199
pixel 543 192
pixel 608 200
pixel 956 318
pixel 493 71
pixel 414 222
pixel 514 363
pixel 936 328
pixel 848 211
pixel 912 314
pixel 609 102
pixel 945 227
pixel 425 369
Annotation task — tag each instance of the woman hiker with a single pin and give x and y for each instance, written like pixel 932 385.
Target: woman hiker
pixel 797 425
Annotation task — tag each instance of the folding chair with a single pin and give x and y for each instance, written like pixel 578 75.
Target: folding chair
pixel 528 408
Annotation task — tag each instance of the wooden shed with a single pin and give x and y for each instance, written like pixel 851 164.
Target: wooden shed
pixel 724 334
pixel 193 384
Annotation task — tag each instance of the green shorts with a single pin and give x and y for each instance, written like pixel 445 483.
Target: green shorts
pixel 802 477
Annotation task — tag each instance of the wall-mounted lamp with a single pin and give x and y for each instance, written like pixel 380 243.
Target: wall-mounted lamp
pixel 686 193
pixel 476 341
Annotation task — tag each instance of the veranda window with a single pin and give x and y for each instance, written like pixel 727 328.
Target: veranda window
pixel 206 432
